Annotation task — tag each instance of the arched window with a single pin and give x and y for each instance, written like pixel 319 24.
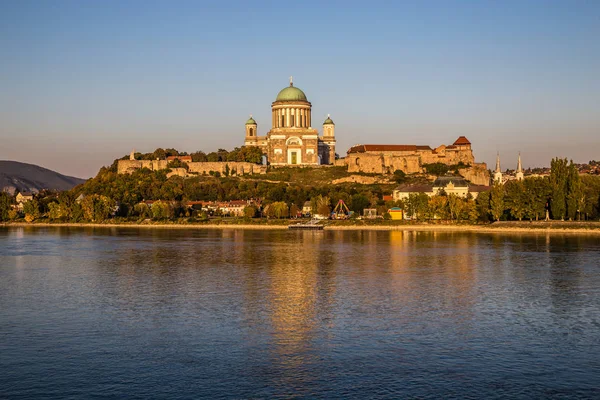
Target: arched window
pixel 251 131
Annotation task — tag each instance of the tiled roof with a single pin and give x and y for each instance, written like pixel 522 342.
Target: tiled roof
pixel 479 188
pixel 461 141
pixel 457 181
pixel 382 147
pixel 422 188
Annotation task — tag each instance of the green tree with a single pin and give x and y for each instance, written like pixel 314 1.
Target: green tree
pixel 399 176
pixel 437 206
pixel 516 199
pixel 280 209
pixel 5 206
pixel 417 205
pixel 250 212
pixel 321 205
pixel 142 210
pixel 497 201
pixel 537 191
pixel 436 168
pixel 359 203
pixel 162 210
pixel 456 205
pixel 31 209
pixel 558 181
pixel 97 208
pixel 199 156
pixel 575 193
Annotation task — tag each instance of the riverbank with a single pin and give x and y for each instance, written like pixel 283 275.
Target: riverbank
pixel 497 227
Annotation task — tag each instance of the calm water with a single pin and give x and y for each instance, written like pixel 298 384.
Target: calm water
pixel 126 313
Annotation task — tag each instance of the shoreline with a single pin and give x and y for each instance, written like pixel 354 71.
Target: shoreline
pixel 407 228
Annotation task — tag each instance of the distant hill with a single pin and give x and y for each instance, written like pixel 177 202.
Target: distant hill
pixel 18 176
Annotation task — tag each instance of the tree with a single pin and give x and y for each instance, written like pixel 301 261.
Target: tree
pixel 97 208
pixel 294 210
pixel 281 209
pixel 537 191
pixel 417 205
pixel 436 168
pixel 497 201
pixel 482 204
pixel 471 211
pixel 437 207
pixel 162 210
pixel 31 209
pixel 250 212
pixel 359 203
pixel 199 156
pixel 399 176
pixel 558 181
pixel 177 163
pixel 515 199
pixel 456 205
pixel 159 154
pixel 142 210
pixel 321 205
pixel 575 194
pixel 5 206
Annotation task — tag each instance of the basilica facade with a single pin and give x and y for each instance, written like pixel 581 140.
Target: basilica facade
pixel 292 140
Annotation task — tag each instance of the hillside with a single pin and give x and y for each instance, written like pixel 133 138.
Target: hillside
pixel 22 177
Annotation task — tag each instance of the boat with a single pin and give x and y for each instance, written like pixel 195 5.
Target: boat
pixel 312 225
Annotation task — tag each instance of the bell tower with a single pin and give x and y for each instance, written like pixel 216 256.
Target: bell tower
pixel 327 148
pixel 251 131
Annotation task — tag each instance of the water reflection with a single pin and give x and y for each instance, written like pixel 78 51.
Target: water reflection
pixel 278 313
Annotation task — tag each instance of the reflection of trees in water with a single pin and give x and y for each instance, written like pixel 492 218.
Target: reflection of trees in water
pixel 567 262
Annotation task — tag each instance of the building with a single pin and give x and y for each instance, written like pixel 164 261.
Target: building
pixel 22 198
pixel 292 140
pixel 447 184
pixel 519 174
pixel 387 158
pixel 498 173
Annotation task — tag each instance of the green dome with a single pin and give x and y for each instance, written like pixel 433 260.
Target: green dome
pixel 251 121
pixel 291 93
pixel 328 121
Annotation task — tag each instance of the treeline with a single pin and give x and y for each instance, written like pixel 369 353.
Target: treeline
pixel 564 195
pixel 251 154
pixel 111 194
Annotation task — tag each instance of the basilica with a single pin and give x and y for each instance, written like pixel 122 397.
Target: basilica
pixel 292 140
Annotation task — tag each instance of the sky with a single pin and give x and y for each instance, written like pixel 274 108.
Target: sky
pixel 84 82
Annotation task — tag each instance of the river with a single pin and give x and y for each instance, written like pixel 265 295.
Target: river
pixel 159 313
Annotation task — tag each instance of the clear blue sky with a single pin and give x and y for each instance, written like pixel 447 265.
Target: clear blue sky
pixel 84 82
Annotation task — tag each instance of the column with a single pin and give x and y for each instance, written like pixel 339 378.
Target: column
pixel 287 117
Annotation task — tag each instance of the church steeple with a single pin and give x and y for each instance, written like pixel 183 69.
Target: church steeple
pixel 498 173
pixel 519 173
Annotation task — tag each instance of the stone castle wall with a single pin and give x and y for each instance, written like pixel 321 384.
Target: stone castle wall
pixel 200 168
pixel 409 162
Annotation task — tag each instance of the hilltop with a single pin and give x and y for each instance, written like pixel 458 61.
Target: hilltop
pixel 22 177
